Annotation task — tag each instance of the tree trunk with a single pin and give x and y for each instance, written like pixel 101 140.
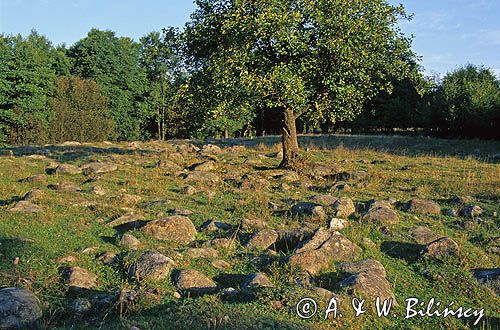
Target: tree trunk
pixel 289 139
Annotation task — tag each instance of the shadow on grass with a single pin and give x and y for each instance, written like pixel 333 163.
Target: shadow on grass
pixel 406 251
pixel 72 153
pixel 484 150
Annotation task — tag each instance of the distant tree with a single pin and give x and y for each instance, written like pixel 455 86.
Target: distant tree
pixel 113 63
pixel 466 103
pixel 318 59
pixel 159 56
pixel 28 70
pixel 80 112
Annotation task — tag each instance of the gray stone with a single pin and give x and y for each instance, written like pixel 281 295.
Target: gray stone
pixel 424 235
pixel 212 225
pixel 194 282
pixel 262 240
pixel 197 253
pixel 130 241
pixel 441 247
pixel 308 209
pixel 381 215
pixel 99 168
pixel 151 266
pixel 176 229
pixel 80 278
pixel 338 224
pixel 344 208
pixel 256 280
pixel 25 206
pixel 19 309
pixel 423 206
pixel 68 169
pixel 471 211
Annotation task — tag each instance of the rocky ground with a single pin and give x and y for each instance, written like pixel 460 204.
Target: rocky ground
pixel 203 235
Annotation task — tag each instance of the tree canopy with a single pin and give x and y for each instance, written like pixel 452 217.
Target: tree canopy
pixel 319 59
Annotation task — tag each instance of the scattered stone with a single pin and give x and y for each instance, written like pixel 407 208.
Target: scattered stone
pixel 210 149
pixel 471 211
pixel 201 177
pixel 423 206
pixel 130 199
pixel 68 169
pixel 451 213
pixel 253 223
pixel 99 168
pixel 109 258
pixel 19 309
pixel 81 306
pixel 441 247
pixel 37 178
pixel 129 219
pixel 368 243
pixel 197 253
pixel 324 199
pixel 221 264
pixel 220 243
pixel 193 282
pixel 289 239
pixel 381 215
pixel 257 280
pixel 308 209
pixel 204 167
pixel 288 176
pixel 342 187
pixel 489 278
pixel 323 294
pixel 337 224
pixel 461 200
pixel 97 190
pixel 184 212
pixel 176 295
pixel 189 190
pixel 32 194
pixel 80 278
pixel 352 175
pixel 344 208
pixel 168 165
pixel 212 225
pixel 151 266
pixel 423 235
pixel 65 186
pixel 25 206
pixel 130 241
pixel 176 229
pixel 67 259
pixel 368 277
pixel 262 240
pixel 322 249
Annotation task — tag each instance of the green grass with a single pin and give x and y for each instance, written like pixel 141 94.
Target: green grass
pixel 68 226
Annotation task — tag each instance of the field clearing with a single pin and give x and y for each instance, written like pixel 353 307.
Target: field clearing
pixel 72 228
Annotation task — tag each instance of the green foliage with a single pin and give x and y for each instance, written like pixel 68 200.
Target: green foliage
pixel 80 112
pixel 28 69
pixel 466 103
pixel 113 63
pixel 159 56
pixel 322 59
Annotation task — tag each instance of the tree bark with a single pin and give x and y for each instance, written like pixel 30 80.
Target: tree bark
pixel 289 139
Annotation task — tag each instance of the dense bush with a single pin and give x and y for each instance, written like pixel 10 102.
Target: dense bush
pixel 80 112
pixel 465 104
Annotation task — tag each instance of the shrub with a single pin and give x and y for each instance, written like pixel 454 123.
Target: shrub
pixel 80 112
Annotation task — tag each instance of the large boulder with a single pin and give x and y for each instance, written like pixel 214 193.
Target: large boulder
pixel 176 229
pixel 151 266
pixel 423 206
pixel 441 247
pixel 193 282
pixel 262 240
pixel 381 215
pixel 321 250
pixel 367 277
pixel 19 309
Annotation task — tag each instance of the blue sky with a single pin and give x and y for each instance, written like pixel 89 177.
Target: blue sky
pixel 448 33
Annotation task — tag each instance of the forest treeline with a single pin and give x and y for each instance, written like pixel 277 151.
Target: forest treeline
pixel 106 87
